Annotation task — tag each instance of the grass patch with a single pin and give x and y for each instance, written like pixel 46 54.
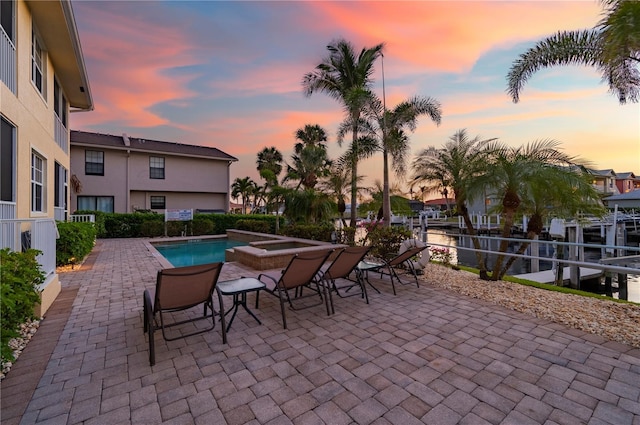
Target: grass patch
pixel 549 287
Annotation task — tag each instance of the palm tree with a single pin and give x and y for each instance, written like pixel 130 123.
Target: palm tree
pixel 336 186
pixel 310 135
pixel 613 47
pixel 310 160
pixel 242 187
pixel 269 165
pixel 347 78
pixel 512 173
pixel 390 128
pixel 455 166
pixel 558 192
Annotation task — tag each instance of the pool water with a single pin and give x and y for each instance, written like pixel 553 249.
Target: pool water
pixel 194 252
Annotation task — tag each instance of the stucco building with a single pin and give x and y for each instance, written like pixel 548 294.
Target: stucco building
pixel 42 79
pixel 124 174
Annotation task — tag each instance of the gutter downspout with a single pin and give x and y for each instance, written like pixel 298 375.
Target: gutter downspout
pixel 127 143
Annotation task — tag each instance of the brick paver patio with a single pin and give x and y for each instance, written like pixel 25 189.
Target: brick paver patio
pixel 424 356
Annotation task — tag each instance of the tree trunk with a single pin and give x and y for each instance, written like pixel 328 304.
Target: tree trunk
pixel 510 204
pixel 354 172
pixel 462 209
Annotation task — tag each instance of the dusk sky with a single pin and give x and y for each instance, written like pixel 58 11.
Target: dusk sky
pixel 228 74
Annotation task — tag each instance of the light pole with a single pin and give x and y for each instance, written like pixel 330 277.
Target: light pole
pixel 386 202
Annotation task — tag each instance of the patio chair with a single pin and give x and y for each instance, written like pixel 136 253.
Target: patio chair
pixel 180 289
pixel 401 263
pixel 334 276
pixel 300 273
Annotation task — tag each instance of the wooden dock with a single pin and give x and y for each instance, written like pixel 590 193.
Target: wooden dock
pixel 548 276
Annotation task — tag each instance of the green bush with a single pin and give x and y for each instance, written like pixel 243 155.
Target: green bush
pixel 259 226
pixel 152 229
pixel 75 242
pixel 385 241
pixel 151 224
pixel 21 276
pixel 316 232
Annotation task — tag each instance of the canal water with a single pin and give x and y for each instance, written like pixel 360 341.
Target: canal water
pixel 438 237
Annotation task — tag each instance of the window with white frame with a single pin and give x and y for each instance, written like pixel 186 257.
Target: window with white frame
pixel 38 172
pixel 7 161
pixel 95 203
pixel 158 202
pixel 94 163
pixel 60 195
pixel 59 103
pixel 38 64
pixel 156 167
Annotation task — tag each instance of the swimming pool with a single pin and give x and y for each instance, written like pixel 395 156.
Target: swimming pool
pixel 196 251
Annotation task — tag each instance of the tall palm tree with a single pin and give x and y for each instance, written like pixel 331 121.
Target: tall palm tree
pixel 390 127
pixel 456 166
pixel 242 187
pixel 347 78
pixel 510 175
pixel 310 135
pixel 613 47
pixel 269 165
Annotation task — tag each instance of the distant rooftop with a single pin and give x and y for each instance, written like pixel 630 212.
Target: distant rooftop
pixel 124 142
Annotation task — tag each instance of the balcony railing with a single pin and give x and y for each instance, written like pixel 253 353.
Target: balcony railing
pixel 7 210
pixel 61 134
pixel 83 218
pixel 40 234
pixel 59 214
pixel 7 61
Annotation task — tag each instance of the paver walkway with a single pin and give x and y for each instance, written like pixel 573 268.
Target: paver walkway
pixel 424 356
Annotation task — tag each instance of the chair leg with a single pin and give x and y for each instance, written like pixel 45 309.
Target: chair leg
pixel 280 297
pixel 148 320
pixel 222 319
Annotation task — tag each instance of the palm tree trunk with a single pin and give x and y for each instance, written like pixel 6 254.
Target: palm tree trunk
pixel 354 173
pixel 476 243
pixel 504 244
pixel 521 250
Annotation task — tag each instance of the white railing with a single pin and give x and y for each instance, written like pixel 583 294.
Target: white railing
pixel 7 210
pixel 40 234
pixel 59 214
pixel 7 61
pixel 61 134
pixel 83 218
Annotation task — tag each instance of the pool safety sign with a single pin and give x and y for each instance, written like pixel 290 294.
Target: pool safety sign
pixel 178 215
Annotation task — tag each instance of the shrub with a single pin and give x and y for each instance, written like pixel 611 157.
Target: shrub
pixel 316 232
pixel 259 226
pixel 75 242
pixel 152 229
pixel 21 276
pixel 202 226
pixel 385 241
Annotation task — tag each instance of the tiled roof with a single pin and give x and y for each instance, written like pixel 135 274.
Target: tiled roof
pixel 85 138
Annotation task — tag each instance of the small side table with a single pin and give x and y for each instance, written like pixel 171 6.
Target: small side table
pixel 362 272
pixel 238 288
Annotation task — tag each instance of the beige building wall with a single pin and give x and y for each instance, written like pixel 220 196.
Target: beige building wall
pixel 32 114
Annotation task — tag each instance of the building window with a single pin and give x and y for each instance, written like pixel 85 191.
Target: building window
pixel 38 171
pixel 157 202
pixel 6 17
pixel 94 163
pixel 7 161
pixel 95 203
pixel 59 103
pixel 60 195
pixel 38 74
pixel 156 167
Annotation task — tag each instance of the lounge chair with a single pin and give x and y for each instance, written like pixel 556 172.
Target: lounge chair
pixel 179 289
pixel 401 263
pixel 300 273
pixel 340 270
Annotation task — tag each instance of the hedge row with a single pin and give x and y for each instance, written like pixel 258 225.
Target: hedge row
pixel 135 225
